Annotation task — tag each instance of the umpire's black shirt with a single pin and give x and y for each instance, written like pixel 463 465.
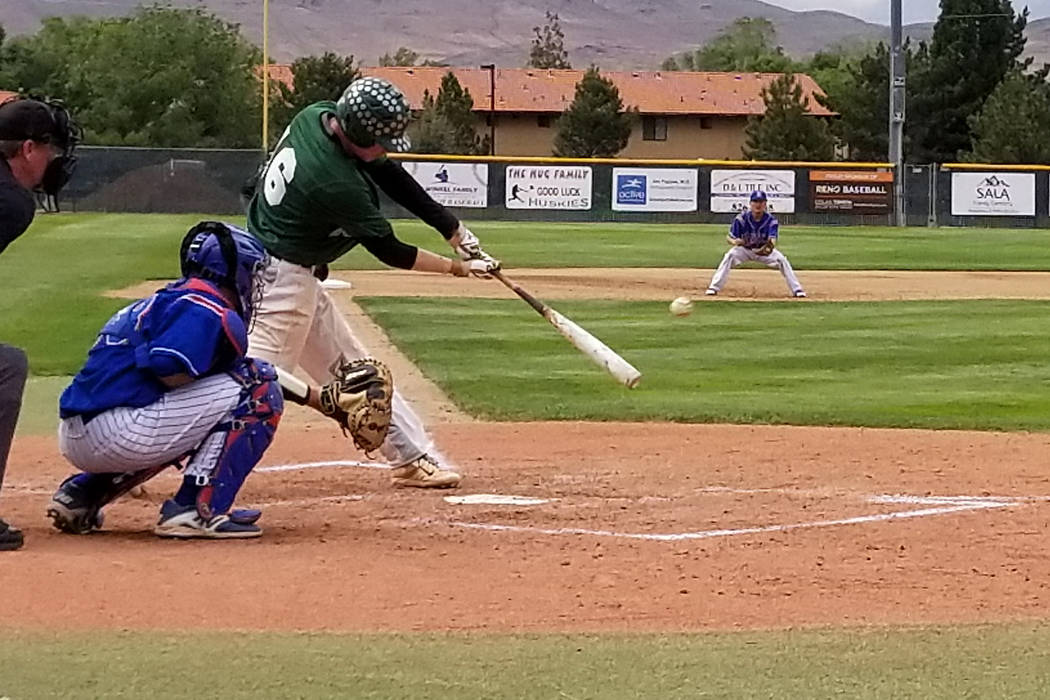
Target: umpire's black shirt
pixel 17 206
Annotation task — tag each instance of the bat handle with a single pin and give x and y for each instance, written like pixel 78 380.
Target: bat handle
pixel 532 301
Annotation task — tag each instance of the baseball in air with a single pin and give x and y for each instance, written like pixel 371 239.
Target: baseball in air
pixel 682 306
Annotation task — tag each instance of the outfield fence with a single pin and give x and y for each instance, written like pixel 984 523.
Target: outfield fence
pixel 601 190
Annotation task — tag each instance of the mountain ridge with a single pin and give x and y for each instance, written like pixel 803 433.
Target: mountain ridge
pixel 470 32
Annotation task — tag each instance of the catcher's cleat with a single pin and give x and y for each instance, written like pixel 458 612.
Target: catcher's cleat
pixel 10 537
pixel 73 511
pixel 184 522
pixel 424 473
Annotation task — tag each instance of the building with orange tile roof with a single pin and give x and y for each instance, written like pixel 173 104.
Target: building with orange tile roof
pixel 683 114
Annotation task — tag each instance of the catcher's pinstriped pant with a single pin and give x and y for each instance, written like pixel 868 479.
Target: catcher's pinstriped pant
pixel 297 326
pixel 13 371
pixel 739 254
pixel 132 439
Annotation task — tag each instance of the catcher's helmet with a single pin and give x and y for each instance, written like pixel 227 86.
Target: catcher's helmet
pixel 373 110
pixel 228 256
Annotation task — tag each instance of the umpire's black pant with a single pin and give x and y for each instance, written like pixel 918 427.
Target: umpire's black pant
pixel 13 370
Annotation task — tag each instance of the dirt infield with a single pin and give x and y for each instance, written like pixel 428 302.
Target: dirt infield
pixel 655 284
pixel 656 527
pixel 626 527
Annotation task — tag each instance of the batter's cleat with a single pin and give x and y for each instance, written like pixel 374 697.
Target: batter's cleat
pixel 424 473
pixel 800 294
pixel 711 292
pixel 72 510
pixel 185 523
pixel 10 537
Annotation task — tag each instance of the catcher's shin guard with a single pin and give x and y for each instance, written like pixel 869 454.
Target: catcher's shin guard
pixel 77 505
pixel 231 451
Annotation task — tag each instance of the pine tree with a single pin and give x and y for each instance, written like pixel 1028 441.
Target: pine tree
pixel 1014 125
pixel 786 131
pixel 596 123
pixel 975 44
pixel 314 79
pixel 446 124
pixel 548 47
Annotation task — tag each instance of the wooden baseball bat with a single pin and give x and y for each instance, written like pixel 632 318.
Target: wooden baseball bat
pixel 600 353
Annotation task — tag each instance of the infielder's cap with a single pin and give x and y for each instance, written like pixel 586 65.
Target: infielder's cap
pixel 758 196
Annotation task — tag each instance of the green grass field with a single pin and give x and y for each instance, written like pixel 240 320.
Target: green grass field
pixel 965 364
pixel 999 662
pixel 932 364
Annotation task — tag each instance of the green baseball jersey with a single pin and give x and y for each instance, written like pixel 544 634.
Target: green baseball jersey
pixel 315 201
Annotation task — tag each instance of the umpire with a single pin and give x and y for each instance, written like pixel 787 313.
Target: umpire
pixel 37 139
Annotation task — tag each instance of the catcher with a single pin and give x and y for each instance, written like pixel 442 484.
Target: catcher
pixel 316 200
pixel 168 380
pixel 753 235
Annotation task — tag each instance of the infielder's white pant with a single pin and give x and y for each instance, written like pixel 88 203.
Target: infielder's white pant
pixel 738 255
pixel 132 439
pixel 297 325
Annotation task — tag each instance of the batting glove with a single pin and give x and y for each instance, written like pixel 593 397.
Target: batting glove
pixel 468 247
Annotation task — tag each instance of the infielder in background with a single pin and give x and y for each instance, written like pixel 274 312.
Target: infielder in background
pixel 37 140
pixel 316 200
pixel 168 379
pixel 753 235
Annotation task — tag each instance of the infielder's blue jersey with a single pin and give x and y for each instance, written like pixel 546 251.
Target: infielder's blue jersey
pixel 755 234
pixel 185 328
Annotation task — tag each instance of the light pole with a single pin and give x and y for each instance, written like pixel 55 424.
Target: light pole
pixel 491 68
pixel 898 98
pixel 266 78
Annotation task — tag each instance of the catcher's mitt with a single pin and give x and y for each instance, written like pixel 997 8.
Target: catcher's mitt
pixel 766 249
pixel 359 400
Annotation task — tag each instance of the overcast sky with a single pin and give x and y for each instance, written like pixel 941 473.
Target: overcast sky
pixel 914 10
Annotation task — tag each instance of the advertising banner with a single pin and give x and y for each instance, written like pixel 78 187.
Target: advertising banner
pixel 549 187
pixel 731 189
pixel 993 194
pixel 453 184
pixel 851 191
pixel 654 189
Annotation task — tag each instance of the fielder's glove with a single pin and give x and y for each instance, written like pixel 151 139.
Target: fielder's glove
pixel 359 400
pixel 469 249
pixel 766 249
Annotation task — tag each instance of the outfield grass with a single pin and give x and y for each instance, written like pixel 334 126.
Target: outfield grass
pixel 932 664
pixel 977 365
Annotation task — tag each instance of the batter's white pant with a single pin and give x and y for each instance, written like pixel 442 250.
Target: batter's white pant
pixel 132 439
pixel 738 255
pixel 297 325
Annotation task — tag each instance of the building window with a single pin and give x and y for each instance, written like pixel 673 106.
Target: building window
pixel 543 121
pixel 654 128
pixel 707 123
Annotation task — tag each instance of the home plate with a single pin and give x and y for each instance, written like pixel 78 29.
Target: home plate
pixel 333 283
pixel 492 499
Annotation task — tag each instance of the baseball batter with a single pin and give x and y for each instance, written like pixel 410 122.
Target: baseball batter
pixel 316 200
pixel 754 235
pixel 168 379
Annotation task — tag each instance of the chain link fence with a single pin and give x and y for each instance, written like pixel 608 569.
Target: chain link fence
pixel 210 181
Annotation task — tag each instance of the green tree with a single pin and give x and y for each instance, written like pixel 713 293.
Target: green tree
pixel 747 45
pixel 447 124
pixel 161 77
pixel 314 79
pixel 786 131
pixel 596 123
pixel 548 46
pixel 975 45
pixel 404 56
pixel 1014 125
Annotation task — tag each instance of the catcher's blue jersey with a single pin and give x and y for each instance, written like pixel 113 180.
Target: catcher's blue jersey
pixel 185 328
pixel 755 234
